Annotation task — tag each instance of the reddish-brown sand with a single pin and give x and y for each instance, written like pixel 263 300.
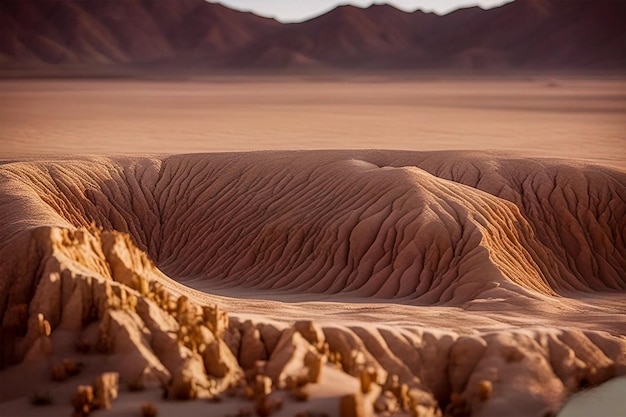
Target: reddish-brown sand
pixel 490 280
pixel 544 116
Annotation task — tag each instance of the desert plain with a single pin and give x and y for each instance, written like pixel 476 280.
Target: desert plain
pixel 403 245
pixel 546 115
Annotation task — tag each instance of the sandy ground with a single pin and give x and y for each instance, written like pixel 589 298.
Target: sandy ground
pixel 607 400
pixel 540 116
pixel 324 396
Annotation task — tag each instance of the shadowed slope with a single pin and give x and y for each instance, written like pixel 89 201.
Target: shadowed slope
pixel 342 226
pixel 66 32
pixel 577 210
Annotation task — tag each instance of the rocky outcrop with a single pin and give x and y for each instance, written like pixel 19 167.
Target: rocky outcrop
pixel 99 396
pixel 294 361
pixel 155 335
pixel 105 390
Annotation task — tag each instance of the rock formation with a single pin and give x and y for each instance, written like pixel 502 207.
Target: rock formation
pixel 455 252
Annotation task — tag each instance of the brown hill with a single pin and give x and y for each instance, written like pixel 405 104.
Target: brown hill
pixel 194 35
pixel 122 32
pixel 536 34
pixel 347 35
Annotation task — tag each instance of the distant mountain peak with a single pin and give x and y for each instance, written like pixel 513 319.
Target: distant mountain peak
pixel 194 35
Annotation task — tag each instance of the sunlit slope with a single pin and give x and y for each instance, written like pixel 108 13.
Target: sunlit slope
pixel 415 227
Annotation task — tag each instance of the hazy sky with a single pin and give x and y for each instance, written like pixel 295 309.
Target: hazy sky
pixel 298 10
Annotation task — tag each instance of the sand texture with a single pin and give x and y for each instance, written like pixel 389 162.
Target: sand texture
pixel 537 115
pixel 427 283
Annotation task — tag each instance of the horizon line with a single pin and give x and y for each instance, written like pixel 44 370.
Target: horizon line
pixel 347 3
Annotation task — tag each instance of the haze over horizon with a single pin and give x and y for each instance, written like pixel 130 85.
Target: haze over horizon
pixel 291 12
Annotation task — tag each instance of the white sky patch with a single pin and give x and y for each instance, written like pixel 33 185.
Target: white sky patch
pixel 299 10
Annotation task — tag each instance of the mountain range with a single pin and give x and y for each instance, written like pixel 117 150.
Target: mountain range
pixel 196 35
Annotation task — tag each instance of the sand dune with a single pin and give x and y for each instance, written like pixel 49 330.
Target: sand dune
pixel 450 271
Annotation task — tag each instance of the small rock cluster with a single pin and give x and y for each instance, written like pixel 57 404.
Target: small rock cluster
pixel 100 395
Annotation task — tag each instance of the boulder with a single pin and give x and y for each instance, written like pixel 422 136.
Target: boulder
pixel 294 358
pixel 184 385
pixel 387 402
pixel 262 385
pixel 82 401
pixel 215 319
pixel 311 332
pixel 270 335
pixel 351 406
pixel 219 361
pixel 423 404
pixel 252 348
pixel 106 387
